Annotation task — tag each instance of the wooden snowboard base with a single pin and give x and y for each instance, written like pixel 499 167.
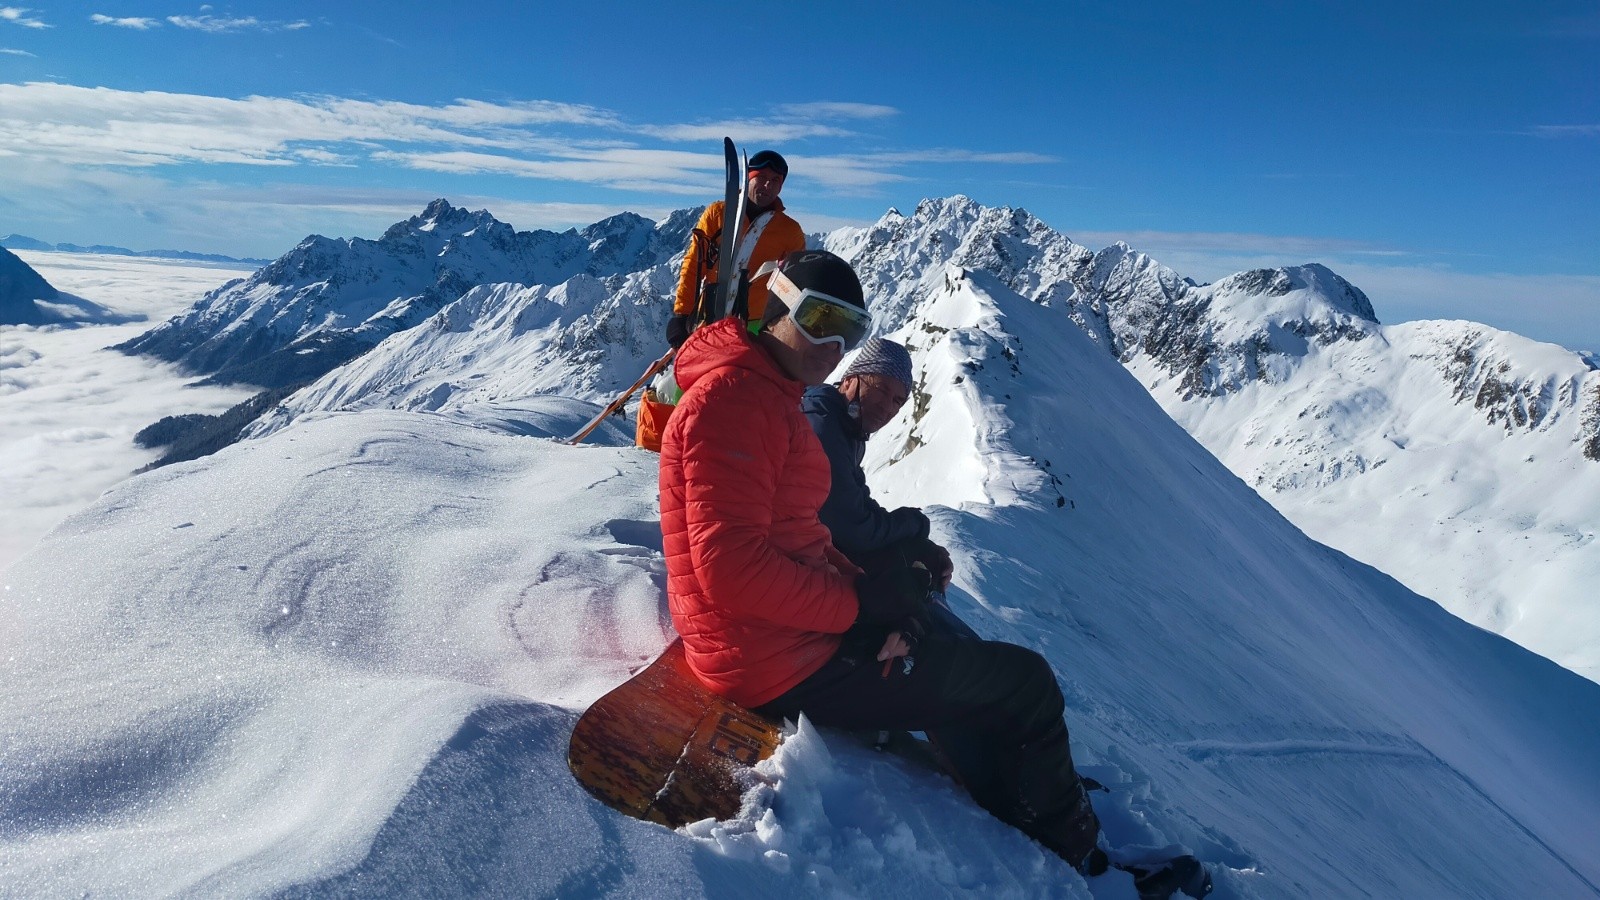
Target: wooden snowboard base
pixel 663 748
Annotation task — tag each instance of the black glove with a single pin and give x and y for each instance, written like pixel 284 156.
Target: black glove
pixel 911 513
pixel 922 550
pixel 932 556
pixel 892 594
pixel 677 330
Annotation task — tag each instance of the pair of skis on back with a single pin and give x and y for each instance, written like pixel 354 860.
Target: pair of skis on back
pixel 730 294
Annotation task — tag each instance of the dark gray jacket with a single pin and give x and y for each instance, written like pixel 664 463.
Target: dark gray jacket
pixel 858 523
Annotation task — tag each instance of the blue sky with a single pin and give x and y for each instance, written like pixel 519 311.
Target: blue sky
pixel 1445 157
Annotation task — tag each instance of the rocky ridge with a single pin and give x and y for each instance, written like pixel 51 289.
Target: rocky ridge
pixel 329 300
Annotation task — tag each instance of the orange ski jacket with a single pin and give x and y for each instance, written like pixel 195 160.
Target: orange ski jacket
pixel 755 585
pixel 780 237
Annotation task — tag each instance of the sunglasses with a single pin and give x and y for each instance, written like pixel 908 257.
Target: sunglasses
pixel 821 318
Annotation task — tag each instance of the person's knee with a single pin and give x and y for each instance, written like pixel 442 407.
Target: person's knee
pixel 1038 698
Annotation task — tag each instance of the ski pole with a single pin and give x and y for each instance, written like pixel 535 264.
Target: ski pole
pixel 613 406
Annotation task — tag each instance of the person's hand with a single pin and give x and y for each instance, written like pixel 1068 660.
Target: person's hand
pixel 941 566
pixel 932 556
pixel 677 330
pixel 895 646
pixel 892 593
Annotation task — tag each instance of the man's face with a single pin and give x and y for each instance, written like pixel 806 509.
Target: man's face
pixel 762 186
pixel 879 398
pixel 800 359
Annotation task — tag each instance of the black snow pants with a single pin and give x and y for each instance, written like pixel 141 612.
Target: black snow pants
pixel 1001 697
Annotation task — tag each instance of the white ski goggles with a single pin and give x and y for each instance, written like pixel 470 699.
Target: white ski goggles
pixel 821 318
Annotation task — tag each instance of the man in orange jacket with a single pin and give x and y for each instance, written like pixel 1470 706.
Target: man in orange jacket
pixel 775 236
pixel 774 617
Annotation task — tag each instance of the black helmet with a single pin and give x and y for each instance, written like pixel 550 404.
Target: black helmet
pixel 825 273
pixel 821 294
pixel 769 159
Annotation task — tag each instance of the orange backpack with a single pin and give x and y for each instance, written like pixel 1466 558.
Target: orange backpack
pixel 653 415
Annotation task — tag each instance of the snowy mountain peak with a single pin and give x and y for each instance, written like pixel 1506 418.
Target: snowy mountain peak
pixel 1130 274
pixel 619 224
pixel 624 243
pixel 1313 278
pixel 441 217
pixel 327 300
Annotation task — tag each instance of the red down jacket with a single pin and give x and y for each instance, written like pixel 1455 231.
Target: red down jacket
pixel 755 586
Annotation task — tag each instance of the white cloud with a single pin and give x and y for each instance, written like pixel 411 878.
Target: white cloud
pixel 8 51
pixel 825 110
pixel 92 142
pixel 531 139
pixel 665 171
pixel 792 122
pixel 743 131
pixel 18 15
pixel 847 174
pixel 473 113
pixel 221 25
pixel 950 155
pixel 1557 131
pixel 135 22
pixel 121 207
pixel 1232 246
pixel 101 126
pixel 106 127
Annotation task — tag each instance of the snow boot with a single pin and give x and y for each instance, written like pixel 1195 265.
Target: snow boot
pixel 1180 874
pixel 1072 831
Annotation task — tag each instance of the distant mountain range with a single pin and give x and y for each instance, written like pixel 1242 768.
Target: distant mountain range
pixel 329 300
pixel 23 242
pixel 1461 459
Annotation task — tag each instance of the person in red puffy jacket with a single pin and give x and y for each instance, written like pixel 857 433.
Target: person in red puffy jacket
pixel 774 617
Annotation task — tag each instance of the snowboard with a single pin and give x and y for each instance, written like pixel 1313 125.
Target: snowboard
pixel 664 748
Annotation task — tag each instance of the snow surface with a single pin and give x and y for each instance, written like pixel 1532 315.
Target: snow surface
pixel 344 658
pixel 69 408
pixel 1354 445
